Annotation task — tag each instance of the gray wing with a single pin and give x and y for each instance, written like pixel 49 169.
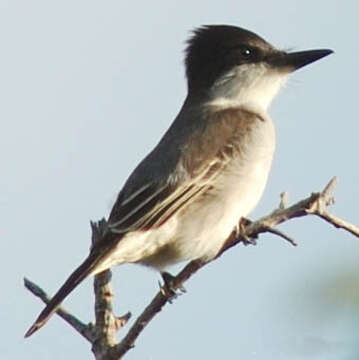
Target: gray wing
pixel 180 169
pixel 152 204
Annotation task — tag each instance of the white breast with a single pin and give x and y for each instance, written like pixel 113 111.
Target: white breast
pixel 200 230
pixel 237 192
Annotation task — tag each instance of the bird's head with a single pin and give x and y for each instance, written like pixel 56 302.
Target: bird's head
pixel 232 66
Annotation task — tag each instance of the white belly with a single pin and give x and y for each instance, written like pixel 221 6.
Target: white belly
pixel 201 229
pixel 237 192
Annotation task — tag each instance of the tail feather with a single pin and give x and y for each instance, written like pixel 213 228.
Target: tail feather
pixel 85 269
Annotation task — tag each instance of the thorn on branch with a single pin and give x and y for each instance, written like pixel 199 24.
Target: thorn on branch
pixel 328 190
pixel 284 199
pixel 121 321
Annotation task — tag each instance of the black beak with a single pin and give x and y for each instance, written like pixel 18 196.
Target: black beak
pixel 296 60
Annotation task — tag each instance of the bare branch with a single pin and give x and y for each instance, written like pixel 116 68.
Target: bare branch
pixel 107 324
pixel 282 235
pixel 103 334
pixel 329 189
pixel 252 230
pixel 85 330
pixel 156 305
pixel 319 208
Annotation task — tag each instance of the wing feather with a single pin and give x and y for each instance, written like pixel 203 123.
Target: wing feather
pixel 171 177
pixel 168 200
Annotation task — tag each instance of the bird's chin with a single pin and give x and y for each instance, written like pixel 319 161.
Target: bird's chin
pixel 254 86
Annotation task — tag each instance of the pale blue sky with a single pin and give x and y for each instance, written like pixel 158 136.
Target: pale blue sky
pixel 87 89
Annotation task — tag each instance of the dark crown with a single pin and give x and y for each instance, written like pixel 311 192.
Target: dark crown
pixel 214 49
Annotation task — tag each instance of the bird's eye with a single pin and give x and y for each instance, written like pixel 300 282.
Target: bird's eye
pixel 246 52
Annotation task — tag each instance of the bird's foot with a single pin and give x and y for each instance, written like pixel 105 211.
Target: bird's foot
pixel 169 289
pixel 241 232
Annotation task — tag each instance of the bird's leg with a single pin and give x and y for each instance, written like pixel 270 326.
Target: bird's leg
pixel 241 233
pixel 168 289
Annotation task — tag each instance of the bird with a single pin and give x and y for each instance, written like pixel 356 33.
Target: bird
pixel 211 166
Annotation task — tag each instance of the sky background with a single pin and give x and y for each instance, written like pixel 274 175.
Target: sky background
pixel 87 88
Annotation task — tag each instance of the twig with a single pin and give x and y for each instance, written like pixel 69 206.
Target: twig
pixel 107 324
pixel 282 235
pixel 252 230
pixel 319 208
pixel 156 305
pixel 339 223
pixel 284 196
pixel 83 329
pixel 103 334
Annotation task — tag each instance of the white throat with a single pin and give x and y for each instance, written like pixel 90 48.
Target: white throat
pixel 252 86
